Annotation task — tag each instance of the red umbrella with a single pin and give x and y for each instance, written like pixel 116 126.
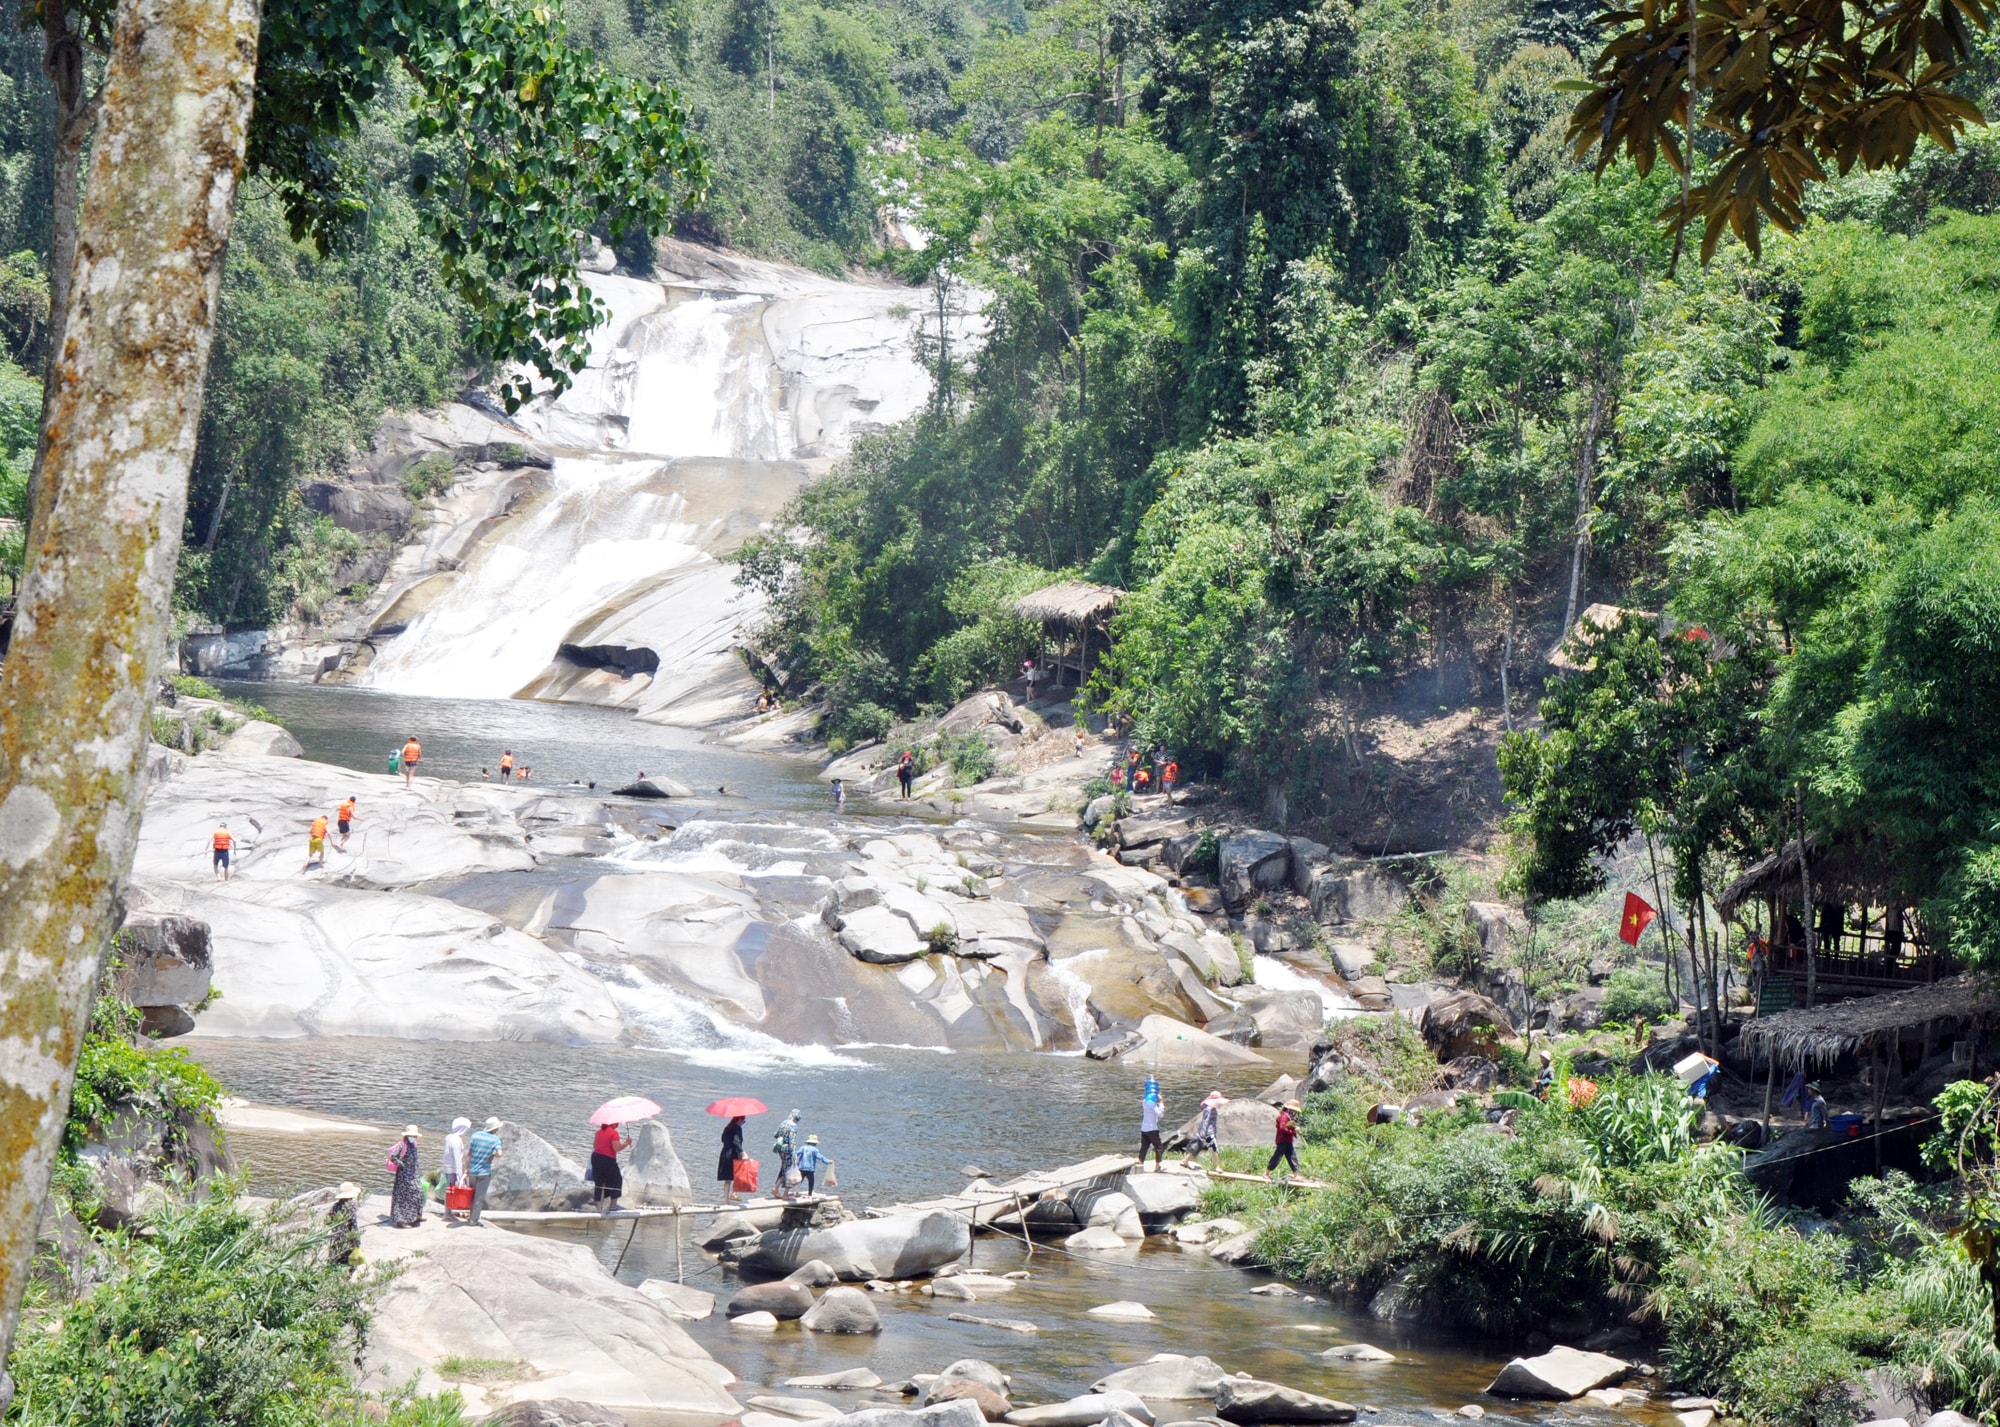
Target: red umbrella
pixel 624 1110
pixel 736 1105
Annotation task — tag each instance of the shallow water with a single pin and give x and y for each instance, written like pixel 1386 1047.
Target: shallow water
pixel 562 743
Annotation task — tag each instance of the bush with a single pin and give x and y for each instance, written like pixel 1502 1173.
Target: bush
pixel 970 757
pixel 857 724
pixel 1633 993
pixel 216 1316
pixel 113 1071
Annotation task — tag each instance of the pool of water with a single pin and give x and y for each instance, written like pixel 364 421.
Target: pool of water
pixel 902 1124
pixel 561 743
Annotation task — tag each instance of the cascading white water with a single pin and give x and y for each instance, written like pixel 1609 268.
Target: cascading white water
pixel 1276 974
pixel 706 404
pixel 604 527
pixel 1076 993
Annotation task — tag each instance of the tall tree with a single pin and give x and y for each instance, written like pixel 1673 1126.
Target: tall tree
pixel 92 619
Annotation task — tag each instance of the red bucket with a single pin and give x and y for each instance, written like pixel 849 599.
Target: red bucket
pixel 458 1196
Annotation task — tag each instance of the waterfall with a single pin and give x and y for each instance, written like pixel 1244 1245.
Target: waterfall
pixel 1076 994
pixel 709 399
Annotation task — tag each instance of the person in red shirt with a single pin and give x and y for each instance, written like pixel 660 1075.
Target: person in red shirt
pixel 1286 1147
pixel 604 1170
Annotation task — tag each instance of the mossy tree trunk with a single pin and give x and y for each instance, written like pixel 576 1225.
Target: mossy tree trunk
pixel 77 689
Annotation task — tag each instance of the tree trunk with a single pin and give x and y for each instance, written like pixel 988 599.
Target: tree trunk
pixel 1805 890
pixel 78 684
pixel 76 111
pixel 1586 473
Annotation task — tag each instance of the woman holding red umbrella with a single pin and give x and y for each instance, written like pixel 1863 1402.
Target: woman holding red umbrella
pixel 610 1139
pixel 734 1109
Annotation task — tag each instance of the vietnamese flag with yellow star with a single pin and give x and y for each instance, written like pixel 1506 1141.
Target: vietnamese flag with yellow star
pixel 1639 914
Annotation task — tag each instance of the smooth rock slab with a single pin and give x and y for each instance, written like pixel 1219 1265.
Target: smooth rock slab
pixel 759 1319
pixel 1244 1399
pixel 1166 1377
pixel 1164 1041
pixel 678 1299
pixel 1011 1325
pixel 942 1414
pixel 489 1293
pixel 899 1246
pixel 842 1310
pixel 1125 1310
pixel 1097 1240
pixel 1560 1373
pixel 1358 1353
pixel 802 1409
pixel 852 1380
pixel 1086 1411
pixel 555 1412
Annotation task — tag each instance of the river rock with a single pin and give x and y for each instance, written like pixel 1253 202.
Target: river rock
pixel 850 1380
pixel 1239 1251
pixel 940 1414
pixel 817 1273
pixel 652 788
pixel 557 1412
pixel 759 1319
pixel 1560 1373
pixel 1947 1419
pixel 1464 1023
pixel 259 739
pixel 165 958
pixel 1108 1209
pixel 1166 1377
pixel 727 1229
pixel 1165 1041
pixel 1696 1417
pixel 881 936
pixel 1358 1353
pixel 1010 1325
pixel 1286 1020
pixel 133 1155
pixel 1242 1399
pixel 1244 1124
pixel 493 1294
pixel 533 1174
pixel 1085 1411
pixel 782 1300
pixel 798 1409
pixel 897 1246
pixel 1251 863
pixel 992 1405
pixel 1203 1231
pixel 843 1312
pixel 951 1288
pixel 654 1174
pixel 967 1370
pixel 1125 1310
pixel 677 1299
pixel 1097 1240
pixel 1160 1197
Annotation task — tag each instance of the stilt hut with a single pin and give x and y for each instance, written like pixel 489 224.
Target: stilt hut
pixel 1075 618
pixel 1867 936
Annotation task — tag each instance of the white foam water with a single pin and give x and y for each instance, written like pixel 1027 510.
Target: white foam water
pixel 1276 974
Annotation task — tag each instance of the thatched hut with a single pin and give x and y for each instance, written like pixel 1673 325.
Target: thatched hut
pixel 1075 617
pixel 1915 1023
pixel 1867 935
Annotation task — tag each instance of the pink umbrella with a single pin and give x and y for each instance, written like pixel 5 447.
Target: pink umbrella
pixel 735 1105
pixel 624 1110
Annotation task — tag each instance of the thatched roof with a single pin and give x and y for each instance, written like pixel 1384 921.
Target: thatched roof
pixel 1595 620
pixel 1846 873
pixel 1822 1035
pixel 1073 602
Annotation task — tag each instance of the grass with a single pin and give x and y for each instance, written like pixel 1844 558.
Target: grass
pixel 454 1368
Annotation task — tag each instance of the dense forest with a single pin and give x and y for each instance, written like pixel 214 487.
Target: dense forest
pixel 1307 328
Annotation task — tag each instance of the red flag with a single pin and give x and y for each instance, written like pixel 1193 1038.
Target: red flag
pixel 1639 914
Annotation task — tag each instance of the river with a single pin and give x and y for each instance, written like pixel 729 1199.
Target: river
pixel 901 1123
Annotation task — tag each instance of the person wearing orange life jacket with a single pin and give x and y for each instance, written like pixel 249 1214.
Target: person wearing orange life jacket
pixel 412 751
pixel 223 842
pixel 1169 776
pixel 344 820
pixel 506 765
pixel 316 843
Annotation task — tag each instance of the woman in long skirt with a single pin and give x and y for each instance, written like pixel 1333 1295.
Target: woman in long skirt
pixel 732 1150
pixel 604 1170
pixel 406 1194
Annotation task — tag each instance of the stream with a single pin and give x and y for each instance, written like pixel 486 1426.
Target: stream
pixel 902 1123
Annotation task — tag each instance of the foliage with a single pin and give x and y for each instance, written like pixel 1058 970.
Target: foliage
pixel 217 1315
pixel 969 755
pixel 1634 993
pixel 1783 94
pixel 115 1072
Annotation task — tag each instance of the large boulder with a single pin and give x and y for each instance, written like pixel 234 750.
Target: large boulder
pixel 941 1414
pixel 1498 927
pixel 1149 828
pixel 1160 1198
pixel 164 958
pixel 654 1174
pixel 677 1299
pixel 1102 1208
pixel 556 1412
pixel 843 1310
pixel 1286 1020
pixel 133 1155
pixel 897 1246
pixel 264 740
pixel 533 1174
pixel 1164 1041
pixel 1356 893
pixel 1464 1023
pixel 1244 1124
pixel 1166 1377
pixel 1244 1399
pixel 1560 1373
pixel 1252 863
pixel 546 1304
